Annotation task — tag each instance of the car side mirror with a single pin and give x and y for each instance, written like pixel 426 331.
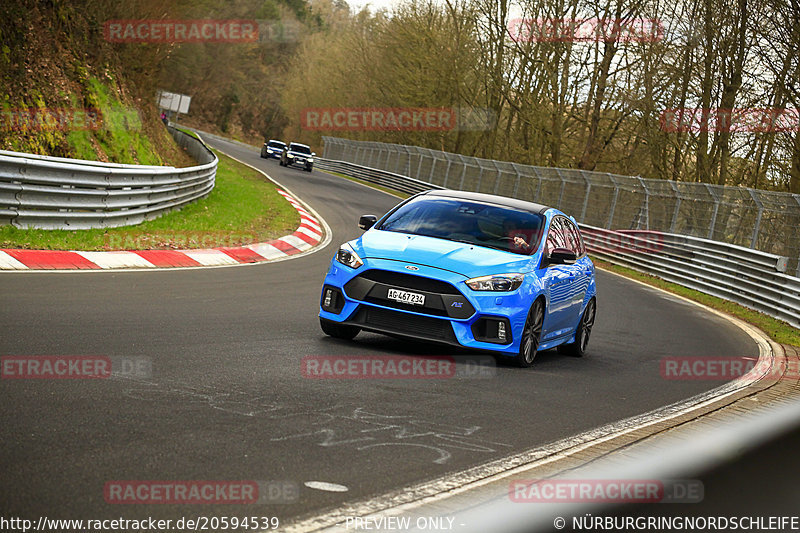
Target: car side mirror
pixel 313 153
pixel 562 256
pixel 367 221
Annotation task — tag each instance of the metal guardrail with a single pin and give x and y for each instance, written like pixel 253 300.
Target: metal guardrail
pixel 748 277
pixel 730 273
pixel 378 177
pixel 58 193
pixel 763 220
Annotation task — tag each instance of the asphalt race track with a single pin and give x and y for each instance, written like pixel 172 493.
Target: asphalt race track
pixel 227 400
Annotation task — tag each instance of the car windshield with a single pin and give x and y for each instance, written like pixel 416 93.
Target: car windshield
pixel 453 219
pixel 300 149
pixel 276 144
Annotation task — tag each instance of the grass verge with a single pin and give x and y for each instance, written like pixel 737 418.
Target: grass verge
pixel 242 209
pixel 779 331
pixel 187 132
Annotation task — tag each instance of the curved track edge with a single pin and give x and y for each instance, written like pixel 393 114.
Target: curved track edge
pixel 312 234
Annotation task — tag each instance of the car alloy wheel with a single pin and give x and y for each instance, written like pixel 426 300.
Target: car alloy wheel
pixel 578 347
pixel 531 334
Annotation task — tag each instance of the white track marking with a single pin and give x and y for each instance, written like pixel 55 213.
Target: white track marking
pixel 310 233
pixel 297 242
pixel 267 251
pixel 121 259
pixel 324 485
pixel 9 263
pixel 210 257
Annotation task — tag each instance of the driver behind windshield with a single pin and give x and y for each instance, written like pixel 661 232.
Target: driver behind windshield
pixel 516 235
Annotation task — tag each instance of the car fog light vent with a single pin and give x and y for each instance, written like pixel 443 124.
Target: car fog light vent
pixel 501 331
pixel 328 298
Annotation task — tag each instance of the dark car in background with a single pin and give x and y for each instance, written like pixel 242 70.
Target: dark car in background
pixel 298 154
pixel 273 149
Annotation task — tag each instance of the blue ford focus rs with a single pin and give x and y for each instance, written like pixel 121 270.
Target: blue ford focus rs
pixel 467 269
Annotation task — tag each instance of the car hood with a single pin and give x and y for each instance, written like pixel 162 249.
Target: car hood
pixel 468 260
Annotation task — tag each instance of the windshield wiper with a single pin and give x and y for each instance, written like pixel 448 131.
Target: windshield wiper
pixel 460 240
pixel 478 243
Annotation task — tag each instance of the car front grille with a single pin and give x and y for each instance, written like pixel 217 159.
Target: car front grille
pixel 441 298
pixel 409 281
pixel 388 321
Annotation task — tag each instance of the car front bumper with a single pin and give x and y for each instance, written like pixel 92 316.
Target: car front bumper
pixel 452 314
pixel 300 161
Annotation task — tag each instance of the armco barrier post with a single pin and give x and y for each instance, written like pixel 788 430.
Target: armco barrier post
pixel 517 181
pixel 497 178
pixel 757 225
pixel 463 171
pixel 613 202
pixel 713 192
pixel 407 169
pixel 563 186
pixel 586 197
pixel 645 206
pixel 675 213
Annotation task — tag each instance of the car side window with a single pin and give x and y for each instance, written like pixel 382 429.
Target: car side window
pixel 579 236
pixel 555 236
pixel 574 241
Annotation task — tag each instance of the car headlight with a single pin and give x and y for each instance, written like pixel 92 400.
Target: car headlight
pixel 347 256
pixel 498 282
pixel 289 155
pixel 310 159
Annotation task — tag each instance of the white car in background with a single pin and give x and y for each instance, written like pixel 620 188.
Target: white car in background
pixel 298 154
pixel 273 149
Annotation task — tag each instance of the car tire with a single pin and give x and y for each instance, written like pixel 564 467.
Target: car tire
pixel 263 155
pixel 582 333
pixel 309 169
pixel 338 331
pixel 531 335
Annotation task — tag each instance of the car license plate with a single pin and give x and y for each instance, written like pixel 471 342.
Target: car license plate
pixel 413 298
